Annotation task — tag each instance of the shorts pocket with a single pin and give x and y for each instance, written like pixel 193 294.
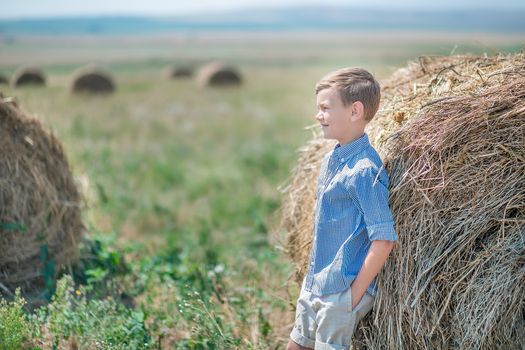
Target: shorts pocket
pixel 359 305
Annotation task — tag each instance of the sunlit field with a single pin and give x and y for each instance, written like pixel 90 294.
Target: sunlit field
pixel 181 182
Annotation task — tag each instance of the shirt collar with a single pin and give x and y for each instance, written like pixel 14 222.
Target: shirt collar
pixel 348 150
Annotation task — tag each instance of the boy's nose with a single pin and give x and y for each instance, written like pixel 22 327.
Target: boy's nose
pixel 319 116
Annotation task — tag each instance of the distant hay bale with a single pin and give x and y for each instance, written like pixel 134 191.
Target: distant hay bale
pixel 179 72
pixel 218 74
pixel 40 221
pixel 451 132
pixel 26 76
pixel 3 79
pixel 92 80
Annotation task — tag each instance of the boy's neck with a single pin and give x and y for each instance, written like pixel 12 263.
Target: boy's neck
pixel 351 138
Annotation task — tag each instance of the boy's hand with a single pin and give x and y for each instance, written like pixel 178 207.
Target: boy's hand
pixel 356 298
pixel 374 261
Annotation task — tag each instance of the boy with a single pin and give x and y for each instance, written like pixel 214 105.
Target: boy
pixel 353 228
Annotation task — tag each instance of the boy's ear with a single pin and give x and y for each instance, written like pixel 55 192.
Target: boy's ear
pixel 357 110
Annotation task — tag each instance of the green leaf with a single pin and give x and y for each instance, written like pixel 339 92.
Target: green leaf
pixel 13 226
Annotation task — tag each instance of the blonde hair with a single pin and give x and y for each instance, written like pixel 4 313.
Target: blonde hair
pixel 354 84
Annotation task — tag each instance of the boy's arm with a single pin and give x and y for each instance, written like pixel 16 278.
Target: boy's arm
pixel 374 261
pixel 372 196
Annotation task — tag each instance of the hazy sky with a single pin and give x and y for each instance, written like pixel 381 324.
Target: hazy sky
pixel 46 8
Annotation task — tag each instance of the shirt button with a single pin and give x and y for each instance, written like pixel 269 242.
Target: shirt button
pixel 342 160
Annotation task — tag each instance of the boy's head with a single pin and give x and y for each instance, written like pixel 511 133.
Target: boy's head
pixel 347 100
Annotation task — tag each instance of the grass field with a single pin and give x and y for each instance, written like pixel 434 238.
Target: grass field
pixel 181 182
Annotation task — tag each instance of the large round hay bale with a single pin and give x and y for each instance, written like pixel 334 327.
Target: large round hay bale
pixel 40 221
pixel 179 72
pixel 451 132
pixel 26 76
pixel 92 80
pixel 218 74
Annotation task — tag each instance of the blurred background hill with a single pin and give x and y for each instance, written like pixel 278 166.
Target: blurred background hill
pixel 318 18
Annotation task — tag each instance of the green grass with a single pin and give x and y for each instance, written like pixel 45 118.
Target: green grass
pixel 15 327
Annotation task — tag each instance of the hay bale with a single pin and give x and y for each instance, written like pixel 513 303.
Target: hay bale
pixel 26 76
pixel 4 80
pixel 92 80
pixel 218 74
pixel 179 72
pixel 40 221
pixel 451 132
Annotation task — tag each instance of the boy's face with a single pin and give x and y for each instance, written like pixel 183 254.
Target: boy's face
pixel 338 121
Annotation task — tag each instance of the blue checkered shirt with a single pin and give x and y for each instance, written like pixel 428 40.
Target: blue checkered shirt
pixel 351 211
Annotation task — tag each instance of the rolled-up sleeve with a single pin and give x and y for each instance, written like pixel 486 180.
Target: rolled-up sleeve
pixel 371 193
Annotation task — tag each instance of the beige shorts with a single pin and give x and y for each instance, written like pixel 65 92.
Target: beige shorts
pixel 328 321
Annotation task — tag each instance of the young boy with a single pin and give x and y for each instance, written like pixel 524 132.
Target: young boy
pixel 353 228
